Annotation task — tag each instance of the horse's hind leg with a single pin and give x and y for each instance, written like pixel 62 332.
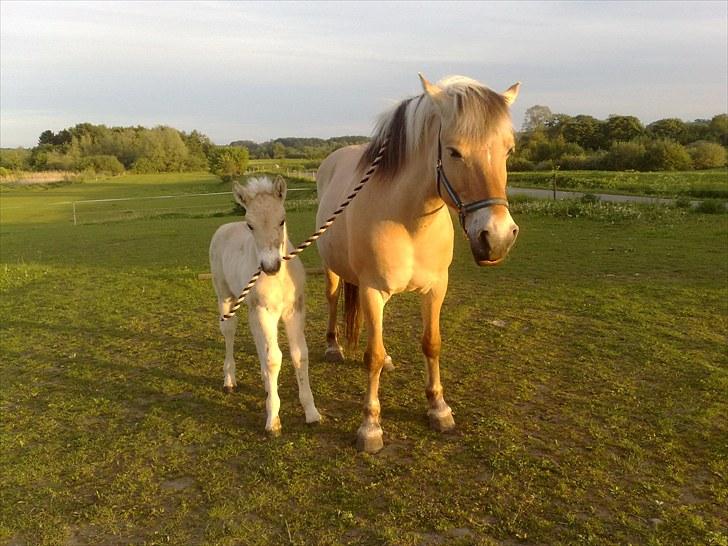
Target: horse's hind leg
pixel 439 412
pixel 228 327
pixel 299 356
pixel 334 351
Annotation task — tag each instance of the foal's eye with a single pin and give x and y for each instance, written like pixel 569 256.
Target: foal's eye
pixel 455 154
pixel 282 222
pixel 250 227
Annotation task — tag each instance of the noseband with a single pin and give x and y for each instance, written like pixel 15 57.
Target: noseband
pixel 462 208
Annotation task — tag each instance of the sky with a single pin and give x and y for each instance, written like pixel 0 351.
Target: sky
pixel 262 70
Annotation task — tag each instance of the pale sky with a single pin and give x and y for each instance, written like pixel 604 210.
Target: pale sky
pixel 258 70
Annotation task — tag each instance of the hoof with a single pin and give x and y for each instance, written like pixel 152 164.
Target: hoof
pixel 334 355
pixel 274 430
pixel 388 365
pixel 369 439
pixel 441 420
pixel 228 389
pixel 314 419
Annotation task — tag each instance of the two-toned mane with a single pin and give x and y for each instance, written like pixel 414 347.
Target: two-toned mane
pixel 447 146
pixel 478 111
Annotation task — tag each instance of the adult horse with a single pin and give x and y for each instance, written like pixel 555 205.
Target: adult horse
pixel 447 148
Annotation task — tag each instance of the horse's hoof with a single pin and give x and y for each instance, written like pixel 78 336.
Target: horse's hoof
pixel 333 355
pixel 228 389
pixel 441 420
pixel 388 365
pixel 369 439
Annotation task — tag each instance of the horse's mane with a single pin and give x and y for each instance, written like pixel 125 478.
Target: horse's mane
pixel 477 111
pixel 259 185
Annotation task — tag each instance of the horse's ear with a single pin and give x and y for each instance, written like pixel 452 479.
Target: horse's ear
pixel 279 186
pixel 240 193
pixel 511 93
pixel 433 91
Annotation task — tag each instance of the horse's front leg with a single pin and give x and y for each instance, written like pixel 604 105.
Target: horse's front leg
pixel 439 412
pixel 264 326
pixel 299 356
pixel 369 435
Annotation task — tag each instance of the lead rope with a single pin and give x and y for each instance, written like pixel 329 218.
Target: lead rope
pixel 320 231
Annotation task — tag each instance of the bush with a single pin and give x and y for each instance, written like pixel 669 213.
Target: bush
pixel 711 206
pixel 229 162
pixel 667 155
pixel 626 155
pixel 518 163
pixel 107 164
pixel 707 155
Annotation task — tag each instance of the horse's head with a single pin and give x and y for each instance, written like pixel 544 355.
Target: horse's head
pixel 475 139
pixel 265 216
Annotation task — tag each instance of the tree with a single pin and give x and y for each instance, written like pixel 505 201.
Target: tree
pixel 586 131
pixel 622 128
pixel 670 128
pixel 666 155
pixel 537 117
pixel 719 128
pixel 229 162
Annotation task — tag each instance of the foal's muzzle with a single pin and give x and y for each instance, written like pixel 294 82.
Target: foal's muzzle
pixel 271 268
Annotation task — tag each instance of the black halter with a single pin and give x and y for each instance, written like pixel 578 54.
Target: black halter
pixel 462 208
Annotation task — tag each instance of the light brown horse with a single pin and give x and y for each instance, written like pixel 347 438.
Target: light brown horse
pixel 447 148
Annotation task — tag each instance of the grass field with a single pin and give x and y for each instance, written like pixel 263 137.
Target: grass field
pixel 588 376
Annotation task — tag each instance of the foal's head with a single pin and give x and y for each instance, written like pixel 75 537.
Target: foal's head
pixel 262 199
pixel 476 138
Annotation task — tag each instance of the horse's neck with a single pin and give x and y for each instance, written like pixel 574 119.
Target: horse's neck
pixel 417 189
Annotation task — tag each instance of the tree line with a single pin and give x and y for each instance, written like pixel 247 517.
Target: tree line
pixel 297 147
pixel 582 142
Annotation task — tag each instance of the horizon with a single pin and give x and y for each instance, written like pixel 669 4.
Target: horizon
pixel 256 71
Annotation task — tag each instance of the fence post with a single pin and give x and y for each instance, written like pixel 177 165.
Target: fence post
pixel 556 170
pixel 74 213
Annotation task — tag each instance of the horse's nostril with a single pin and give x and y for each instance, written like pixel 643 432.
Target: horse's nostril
pixel 515 232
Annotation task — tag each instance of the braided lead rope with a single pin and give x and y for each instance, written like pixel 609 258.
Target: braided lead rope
pixel 320 231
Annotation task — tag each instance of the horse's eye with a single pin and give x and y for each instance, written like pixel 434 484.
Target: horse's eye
pixel 250 227
pixel 282 222
pixel 455 154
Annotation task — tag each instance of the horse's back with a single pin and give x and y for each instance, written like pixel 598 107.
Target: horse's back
pixel 335 177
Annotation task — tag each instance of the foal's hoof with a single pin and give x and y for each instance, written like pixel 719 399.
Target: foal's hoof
pixel 369 439
pixel 313 419
pixel 274 429
pixel 334 355
pixel 388 365
pixel 441 420
pixel 228 389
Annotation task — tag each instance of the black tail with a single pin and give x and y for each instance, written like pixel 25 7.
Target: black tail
pixel 352 317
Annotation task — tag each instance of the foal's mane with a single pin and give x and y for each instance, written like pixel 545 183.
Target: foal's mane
pixel 476 112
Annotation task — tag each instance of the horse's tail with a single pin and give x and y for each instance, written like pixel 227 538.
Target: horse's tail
pixel 352 317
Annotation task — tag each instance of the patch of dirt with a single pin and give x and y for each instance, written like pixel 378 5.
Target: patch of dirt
pixel 178 484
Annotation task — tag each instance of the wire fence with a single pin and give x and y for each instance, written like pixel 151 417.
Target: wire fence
pixel 195 205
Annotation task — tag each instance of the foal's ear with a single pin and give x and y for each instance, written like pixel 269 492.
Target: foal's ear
pixel 279 187
pixel 240 193
pixel 511 93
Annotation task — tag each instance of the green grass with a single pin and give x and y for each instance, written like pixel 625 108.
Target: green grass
pixel 587 375
pixel 698 184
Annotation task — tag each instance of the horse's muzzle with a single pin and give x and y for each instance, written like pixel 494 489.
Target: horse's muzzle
pixel 488 249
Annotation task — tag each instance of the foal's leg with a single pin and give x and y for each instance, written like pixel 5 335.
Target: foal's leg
pixel 264 326
pixel 439 412
pixel 228 328
pixel 334 352
pixel 299 356
pixel 369 435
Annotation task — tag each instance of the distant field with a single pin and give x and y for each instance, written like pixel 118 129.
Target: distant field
pixel 699 184
pixel 588 377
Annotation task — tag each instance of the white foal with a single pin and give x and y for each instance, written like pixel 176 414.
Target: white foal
pixel 237 250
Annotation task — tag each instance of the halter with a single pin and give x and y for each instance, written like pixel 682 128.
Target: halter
pixel 462 208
